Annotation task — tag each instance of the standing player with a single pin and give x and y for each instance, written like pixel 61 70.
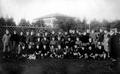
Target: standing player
pixel 14 40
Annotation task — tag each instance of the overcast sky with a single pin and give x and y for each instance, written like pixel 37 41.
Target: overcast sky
pixel 89 9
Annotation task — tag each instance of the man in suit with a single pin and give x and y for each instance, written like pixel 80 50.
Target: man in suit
pixel 6 40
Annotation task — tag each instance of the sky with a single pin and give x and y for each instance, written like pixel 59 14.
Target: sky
pixel 89 9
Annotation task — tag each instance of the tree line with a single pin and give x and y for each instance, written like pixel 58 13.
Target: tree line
pixel 64 23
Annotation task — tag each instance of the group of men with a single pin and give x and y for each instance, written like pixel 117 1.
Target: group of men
pixel 71 44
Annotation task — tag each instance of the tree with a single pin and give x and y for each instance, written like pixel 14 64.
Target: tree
pixel 10 22
pixel 84 24
pixel 95 25
pixel 79 25
pixel 7 22
pixel 116 24
pixel 65 23
pixel 24 23
pixel 106 24
pixel 2 22
pixel 38 23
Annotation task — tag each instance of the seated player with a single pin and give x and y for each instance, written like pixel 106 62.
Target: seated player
pixel 100 50
pixel 82 51
pixel 90 52
pixel 78 42
pixel 45 41
pixel 75 51
pixel 59 52
pixel 53 42
pixel 68 42
pixel 44 51
pixel 52 52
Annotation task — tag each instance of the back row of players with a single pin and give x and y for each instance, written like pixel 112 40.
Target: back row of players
pixel 71 44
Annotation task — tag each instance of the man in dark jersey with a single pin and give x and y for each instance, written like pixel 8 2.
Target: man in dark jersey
pixel 14 39
pixel 22 41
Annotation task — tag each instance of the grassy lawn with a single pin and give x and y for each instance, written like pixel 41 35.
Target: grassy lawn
pixel 60 66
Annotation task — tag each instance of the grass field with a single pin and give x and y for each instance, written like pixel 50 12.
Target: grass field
pixel 59 66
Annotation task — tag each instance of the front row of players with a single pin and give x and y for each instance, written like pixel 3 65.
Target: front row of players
pixel 87 52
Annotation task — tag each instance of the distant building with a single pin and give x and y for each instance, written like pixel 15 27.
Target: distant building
pixel 49 22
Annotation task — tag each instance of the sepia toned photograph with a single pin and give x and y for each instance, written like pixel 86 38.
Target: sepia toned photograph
pixel 59 36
